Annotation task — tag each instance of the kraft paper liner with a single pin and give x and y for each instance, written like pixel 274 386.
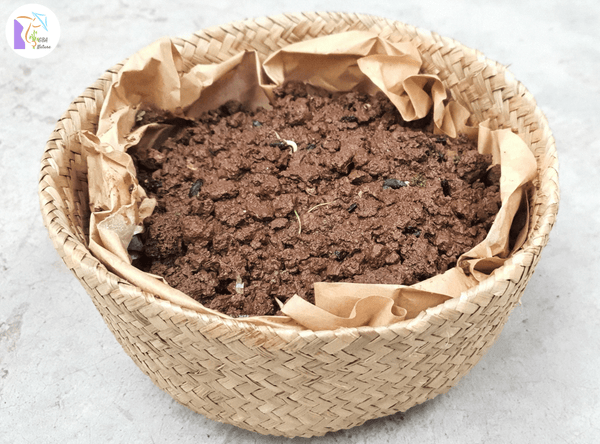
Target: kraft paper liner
pixel 344 304
pixel 356 60
pixel 360 60
pixel 518 169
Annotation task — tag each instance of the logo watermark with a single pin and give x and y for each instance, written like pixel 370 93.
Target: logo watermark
pixel 32 31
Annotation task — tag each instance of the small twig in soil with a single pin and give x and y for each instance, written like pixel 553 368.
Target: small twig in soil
pixel 299 222
pixel 290 143
pixel 320 205
pixel 239 285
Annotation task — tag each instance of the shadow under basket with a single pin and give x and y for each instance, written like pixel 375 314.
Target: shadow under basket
pixel 302 383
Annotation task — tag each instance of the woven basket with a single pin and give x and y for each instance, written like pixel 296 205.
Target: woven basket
pixel 305 383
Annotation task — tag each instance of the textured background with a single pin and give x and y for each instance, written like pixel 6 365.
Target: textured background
pixel 64 378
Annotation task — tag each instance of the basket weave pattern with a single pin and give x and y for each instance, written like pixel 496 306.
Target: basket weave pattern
pixel 279 381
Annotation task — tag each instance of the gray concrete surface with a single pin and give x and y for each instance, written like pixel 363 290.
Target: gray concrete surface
pixel 65 379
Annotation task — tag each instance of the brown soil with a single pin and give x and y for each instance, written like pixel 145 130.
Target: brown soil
pixel 244 218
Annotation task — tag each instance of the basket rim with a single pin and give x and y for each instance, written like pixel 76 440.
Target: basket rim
pixel 57 227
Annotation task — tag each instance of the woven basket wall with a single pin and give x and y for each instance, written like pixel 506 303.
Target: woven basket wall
pixel 278 381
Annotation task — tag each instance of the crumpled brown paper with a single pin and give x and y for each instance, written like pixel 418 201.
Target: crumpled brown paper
pixel 357 60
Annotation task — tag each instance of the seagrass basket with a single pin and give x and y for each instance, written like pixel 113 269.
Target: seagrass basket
pixel 303 383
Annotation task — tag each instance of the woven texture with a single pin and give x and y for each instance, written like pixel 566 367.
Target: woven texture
pixel 284 382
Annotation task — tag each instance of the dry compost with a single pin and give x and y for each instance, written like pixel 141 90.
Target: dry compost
pixel 254 206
